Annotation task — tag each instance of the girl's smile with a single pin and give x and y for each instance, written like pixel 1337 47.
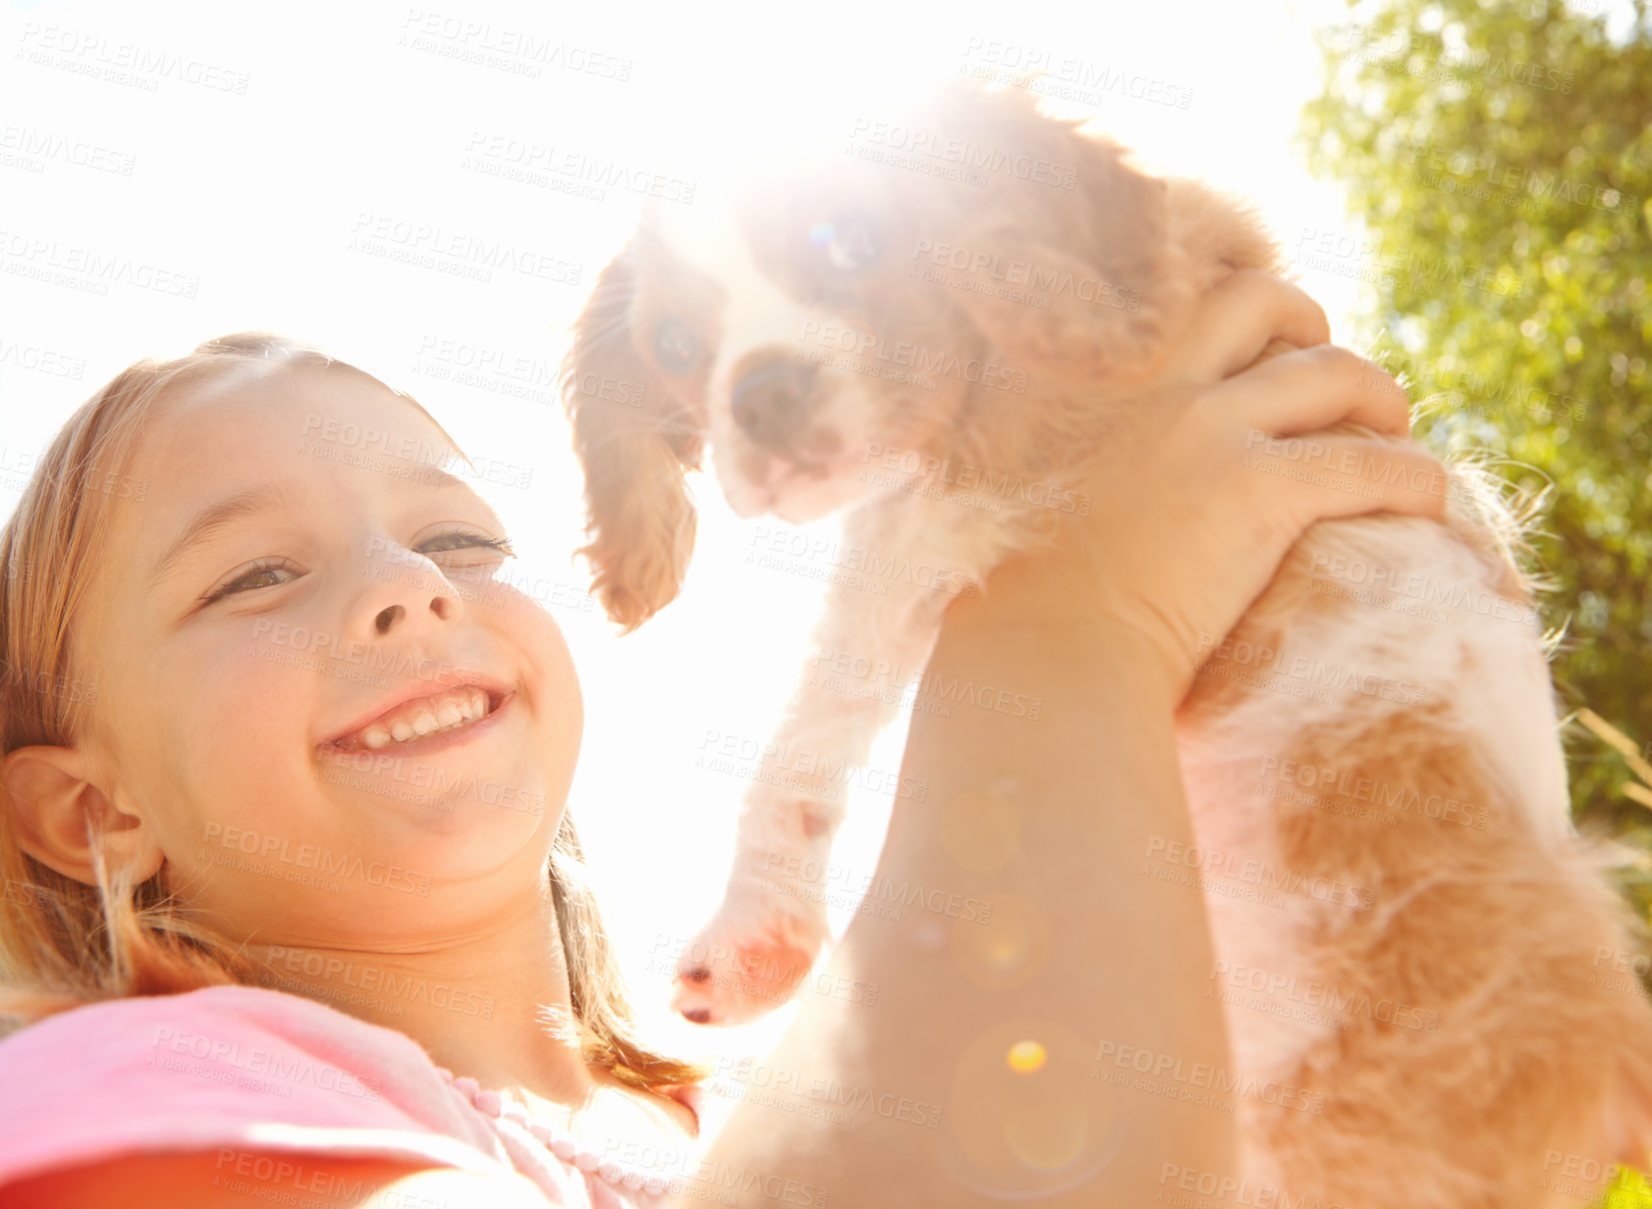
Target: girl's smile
pixel 464 701
pixel 469 723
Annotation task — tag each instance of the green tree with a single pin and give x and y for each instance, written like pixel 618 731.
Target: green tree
pixel 1500 155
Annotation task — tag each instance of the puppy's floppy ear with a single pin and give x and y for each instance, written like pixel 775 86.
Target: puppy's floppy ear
pixel 1065 220
pixel 634 441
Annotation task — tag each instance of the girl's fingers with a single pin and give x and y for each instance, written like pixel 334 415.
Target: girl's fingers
pixel 1337 476
pixel 1315 388
pixel 1234 321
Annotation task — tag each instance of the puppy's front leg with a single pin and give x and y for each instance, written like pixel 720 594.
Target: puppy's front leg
pixel 883 621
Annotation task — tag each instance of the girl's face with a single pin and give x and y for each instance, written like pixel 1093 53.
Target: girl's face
pixel 240 656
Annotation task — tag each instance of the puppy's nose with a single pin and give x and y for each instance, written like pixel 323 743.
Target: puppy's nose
pixel 770 402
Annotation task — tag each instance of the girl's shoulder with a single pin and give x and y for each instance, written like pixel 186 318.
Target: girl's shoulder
pixel 225 1068
pixel 242 1073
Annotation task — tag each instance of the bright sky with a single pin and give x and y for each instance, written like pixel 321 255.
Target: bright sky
pixel 245 179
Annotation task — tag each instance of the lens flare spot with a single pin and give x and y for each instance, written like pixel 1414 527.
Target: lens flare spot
pixel 1025 1116
pixel 1025 1057
pixel 1047 1136
pixel 1003 944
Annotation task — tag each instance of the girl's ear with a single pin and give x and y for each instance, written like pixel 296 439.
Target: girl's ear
pixel 1079 235
pixel 51 801
pixel 635 441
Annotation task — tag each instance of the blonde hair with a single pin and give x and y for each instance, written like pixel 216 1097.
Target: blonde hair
pixel 64 943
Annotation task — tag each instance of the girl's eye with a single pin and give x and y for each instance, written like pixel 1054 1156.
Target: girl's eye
pixel 465 541
pixel 489 550
pixel 474 568
pixel 248 580
pixel 245 580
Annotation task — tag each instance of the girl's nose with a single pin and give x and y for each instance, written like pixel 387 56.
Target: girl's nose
pixel 406 589
pixel 388 616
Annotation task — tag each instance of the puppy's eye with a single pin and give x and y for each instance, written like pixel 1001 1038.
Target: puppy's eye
pixel 676 348
pixel 848 244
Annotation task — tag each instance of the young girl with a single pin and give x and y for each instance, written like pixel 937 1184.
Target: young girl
pixel 292 906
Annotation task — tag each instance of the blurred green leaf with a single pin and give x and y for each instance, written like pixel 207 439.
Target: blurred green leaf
pixel 1628 1190
pixel 1500 155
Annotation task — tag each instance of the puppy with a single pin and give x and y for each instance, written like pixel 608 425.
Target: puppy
pixel 929 331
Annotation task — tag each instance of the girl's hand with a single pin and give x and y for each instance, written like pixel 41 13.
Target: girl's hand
pixel 1198 498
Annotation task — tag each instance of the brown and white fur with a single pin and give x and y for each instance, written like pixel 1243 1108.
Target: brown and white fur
pixel 1492 928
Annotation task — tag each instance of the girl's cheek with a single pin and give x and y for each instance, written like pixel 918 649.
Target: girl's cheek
pixel 530 626
pixel 249 693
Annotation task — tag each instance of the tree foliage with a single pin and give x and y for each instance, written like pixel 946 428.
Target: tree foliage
pixel 1500 155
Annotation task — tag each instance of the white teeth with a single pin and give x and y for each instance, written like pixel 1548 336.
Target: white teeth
pixel 451 711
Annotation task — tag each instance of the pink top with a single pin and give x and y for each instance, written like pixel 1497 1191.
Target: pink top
pixel 242 1070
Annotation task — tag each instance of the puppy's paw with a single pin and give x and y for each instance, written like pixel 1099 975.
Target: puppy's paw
pixel 742 966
